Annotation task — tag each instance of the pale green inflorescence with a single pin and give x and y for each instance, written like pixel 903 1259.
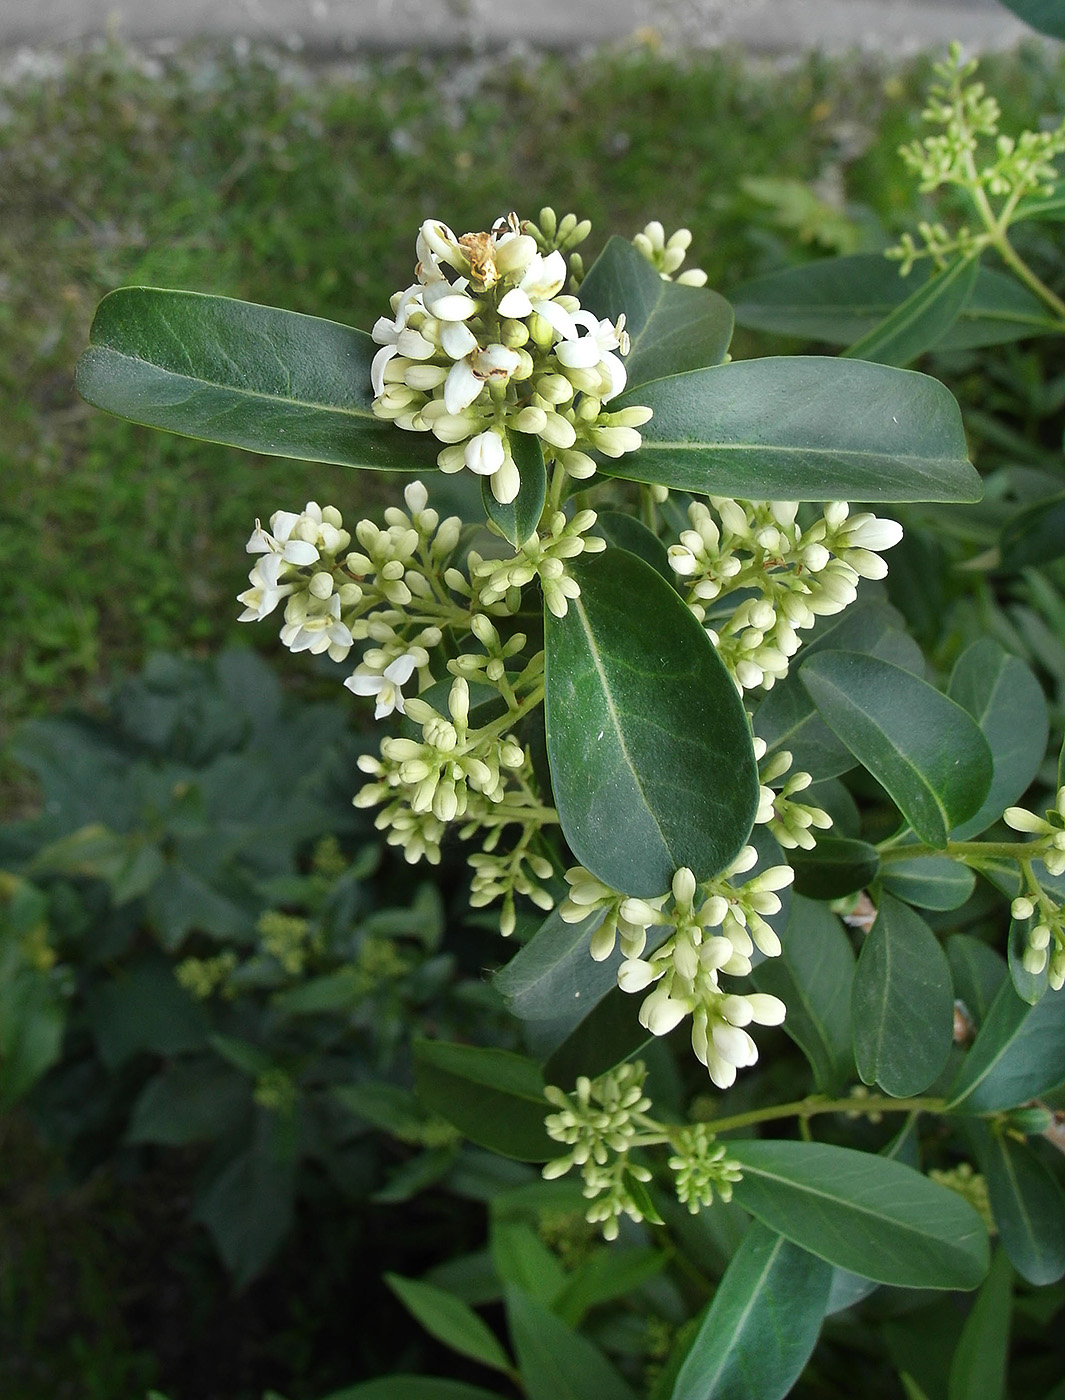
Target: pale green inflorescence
pixel 1036 906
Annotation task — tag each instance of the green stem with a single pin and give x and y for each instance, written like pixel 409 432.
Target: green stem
pixel 809 1107
pixel 968 852
pixel 999 240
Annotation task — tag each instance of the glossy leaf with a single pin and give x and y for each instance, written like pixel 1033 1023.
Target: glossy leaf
pixel 762 1325
pixel 840 300
pixel 495 1098
pixel 249 376
pixel 978 1371
pixel 1035 535
pixel 450 1321
pixel 902 1003
pixel 813 978
pixel 604 1275
pixel 520 518
pixel 930 882
pixel 864 1213
pixel 557 1363
pixel 651 759
pixel 836 866
pixel 926 751
pixel 626 532
pixel 671 327
pixel 520 1257
pixel 978 973
pixel 804 428
pixel 610 1034
pixel 921 320
pixel 553 977
pixel 1018 1054
pixel 1027 1203
pixel 1044 15
pixel 1007 702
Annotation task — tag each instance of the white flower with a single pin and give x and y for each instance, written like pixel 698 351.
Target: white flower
pixel 593 350
pixel 386 333
pixel 540 284
pixel 385 685
pixel 485 453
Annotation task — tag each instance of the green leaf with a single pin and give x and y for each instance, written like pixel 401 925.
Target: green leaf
pixel 902 1003
pixel 1007 702
pixel 804 428
pixel 412 1388
pixel 978 973
pixel 922 747
pixel 520 518
pixel 672 327
pixel 1044 15
pixel 557 1363
pixel 978 1371
pixel 553 977
pixel 921 320
pixel 836 866
pixel 841 299
pixel 191 1101
pixel 32 1022
pixel 626 532
pixel 495 1098
pixel 333 991
pixel 1035 535
pixel 652 764
pixel 520 1257
pixel 450 1321
pixel 762 1325
pixel 862 1212
pixel 1027 1203
pixel 248 1207
pixel 813 978
pixel 604 1275
pixel 144 1008
pixel 385 1106
pixel 610 1034
pixel 249 376
pixel 930 882
pixel 1018 1054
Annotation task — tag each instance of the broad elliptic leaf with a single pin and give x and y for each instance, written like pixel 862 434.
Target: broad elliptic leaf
pixel 1035 535
pixel 837 865
pixel 495 1098
pixel 626 532
pixel 652 765
pixel 1026 1201
pixel 1007 702
pixel 557 1363
pixel 978 1371
pixel 249 376
pixel 813 978
pixel 924 749
pixel 930 882
pixel 862 1212
pixel 978 973
pixel 1045 15
pixel 520 518
pixel 921 320
pixel 840 300
pixel 762 1325
pixel 450 1321
pixel 807 428
pixel 610 1034
pixel 902 1003
pixel 671 327
pixel 553 977
pixel 1018 1054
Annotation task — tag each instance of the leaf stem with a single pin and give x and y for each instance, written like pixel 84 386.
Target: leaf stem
pixel 814 1104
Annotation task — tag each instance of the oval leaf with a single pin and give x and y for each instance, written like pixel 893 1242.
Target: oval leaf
pixel 249 376
pixel 495 1098
pixel 836 866
pixel 400 1387
pixel 864 1213
pixel 930 882
pixel 554 973
pixel 1018 1054
pixel 450 1321
pixel 925 750
pixel 921 320
pixel 762 1325
pixel 978 973
pixel 672 328
pixel 1027 1203
pixel 802 428
pixel 1034 535
pixel 557 1363
pixel 978 1371
pixel 902 1003
pixel 652 764
pixel 626 532
pixel 520 517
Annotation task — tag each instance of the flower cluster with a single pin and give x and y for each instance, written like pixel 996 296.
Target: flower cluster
pixel 603 1122
pixel 1037 907
pixel 666 255
pixel 495 580
pixel 789 821
pixel 791 575
pixel 485 345
pixel 709 930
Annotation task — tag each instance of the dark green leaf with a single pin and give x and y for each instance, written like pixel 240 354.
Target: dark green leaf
pixel 651 758
pixel 520 1257
pixel 450 1321
pixel 864 1213
pixel 553 977
pixel 191 1101
pixel 557 1363
pixel 813 978
pixel 604 1275
pixel 1044 15
pixel 412 1388
pixel 385 1106
pixel 416 1175
pixel 626 532
pixel 144 1008
pixel 835 867
pixel 250 376
pixel 248 1206
pixel 930 882
pixel 672 328
pixel 1027 1203
pixel 1018 1054
pixel 978 1371
pixel 1007 702
pixel 762 1325
pixel 610 1034
pixel 495 1098
pixel 520 518
pixel 902 1004
pixel 925 750
pixel 333 991
pixel 840 299
pixel 1034 535
pixel 32 1022
pixel 978 973
pixel 922 320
